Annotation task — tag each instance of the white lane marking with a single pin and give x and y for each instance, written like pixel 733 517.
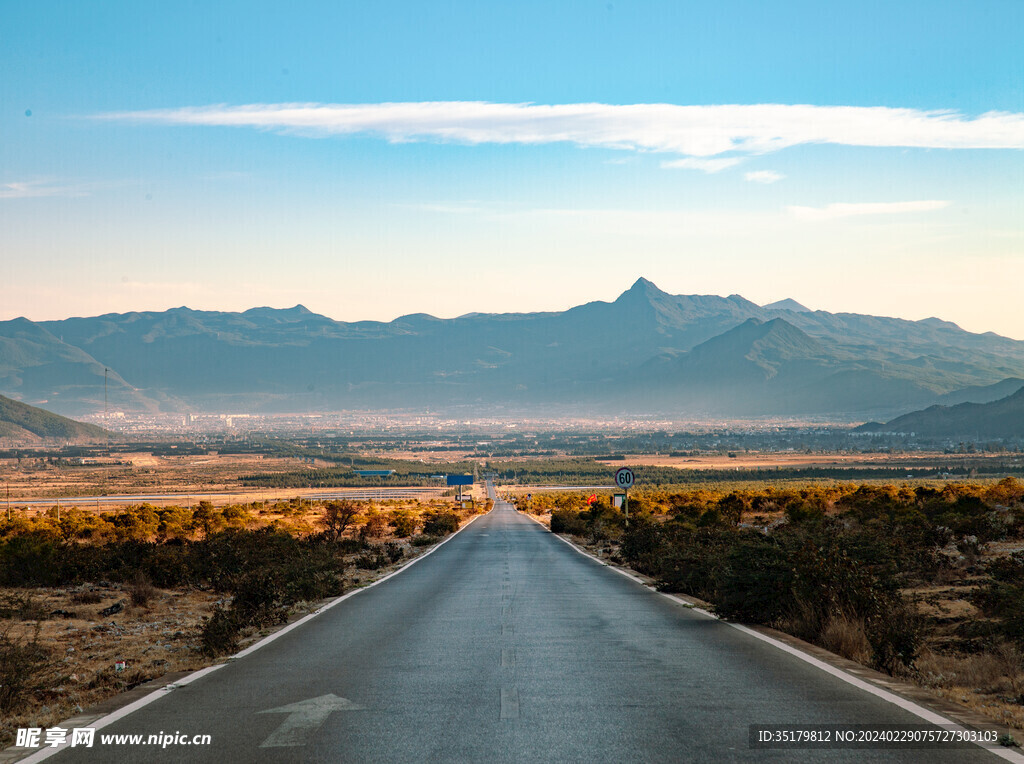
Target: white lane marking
pixel 897 700
pixel 508 658
pixel 304 718
pixel 509 703
pixel 145 700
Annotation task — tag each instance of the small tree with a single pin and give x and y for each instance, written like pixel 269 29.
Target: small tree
pixel 338 516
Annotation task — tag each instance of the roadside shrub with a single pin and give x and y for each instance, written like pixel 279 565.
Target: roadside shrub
pixel 603 522
pixel 373 558
pixel 141 590
pixel 424 540
pixel 394 551
pixel 404 524
pixel 441 523
pixel 691 562
pixel 644 545
pixel 755 583
pixel 895 633
pixel 261 598
pixel 221 633
pixel 568 521
pixel 374 527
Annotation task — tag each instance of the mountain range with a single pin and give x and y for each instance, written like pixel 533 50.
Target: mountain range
pixel 647 352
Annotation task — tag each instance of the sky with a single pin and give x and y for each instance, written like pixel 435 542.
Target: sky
pixel 370 160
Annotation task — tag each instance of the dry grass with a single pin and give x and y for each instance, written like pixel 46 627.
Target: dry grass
pixel 847 637
pixel 983 672
pixel 988 683
pixel 141 590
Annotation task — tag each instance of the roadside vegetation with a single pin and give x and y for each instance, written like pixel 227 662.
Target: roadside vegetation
pixel 95 603
pixel 588 471
pixel 922 582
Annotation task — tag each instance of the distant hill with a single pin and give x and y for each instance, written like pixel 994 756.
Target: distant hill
pixel 645 352
pixel 1000 419
pixel 44 369
pixel 773 366
pixel 982 393
pixel 20 423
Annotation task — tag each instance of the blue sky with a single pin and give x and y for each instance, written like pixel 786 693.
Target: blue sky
pixel 132 179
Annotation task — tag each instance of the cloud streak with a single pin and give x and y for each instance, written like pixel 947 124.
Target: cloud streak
pixel 34 189
pixel 693 131
pixel 701 163
pixel 846 210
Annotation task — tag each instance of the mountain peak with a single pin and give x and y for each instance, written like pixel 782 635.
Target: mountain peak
pixel 645 286
pixel 938 323
pixel 787 304
pixel 642 291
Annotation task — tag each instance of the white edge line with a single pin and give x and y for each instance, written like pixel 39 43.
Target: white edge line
pixel 907 705
pixel 160 692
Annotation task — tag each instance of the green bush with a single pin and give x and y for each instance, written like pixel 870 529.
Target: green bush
pixel 568 521
pixel 373 558
pixel 441 523
pixel 756 580
pixel 404 524
pixel 221 633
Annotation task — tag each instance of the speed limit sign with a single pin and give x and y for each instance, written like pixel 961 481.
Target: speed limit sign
pixel 624 478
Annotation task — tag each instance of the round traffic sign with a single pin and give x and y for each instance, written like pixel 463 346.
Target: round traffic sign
pixel 624 477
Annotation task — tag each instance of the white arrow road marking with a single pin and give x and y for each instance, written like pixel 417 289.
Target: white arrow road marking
pixel 304 718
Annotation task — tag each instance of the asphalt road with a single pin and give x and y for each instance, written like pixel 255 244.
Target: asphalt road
pixel 505 645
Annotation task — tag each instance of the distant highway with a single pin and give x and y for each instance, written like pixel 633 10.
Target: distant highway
pixel 504 645
pixel 353 494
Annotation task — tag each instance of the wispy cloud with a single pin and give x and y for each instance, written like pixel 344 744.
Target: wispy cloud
pixel 845 210
pixel 764 176
pixel 690 131
pixel 700 163
pixel 38 188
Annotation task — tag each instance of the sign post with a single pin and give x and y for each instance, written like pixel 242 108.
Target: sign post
pixel 459 480
pixel 624 479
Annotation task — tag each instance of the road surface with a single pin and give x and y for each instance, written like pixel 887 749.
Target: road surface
pixel 505 645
